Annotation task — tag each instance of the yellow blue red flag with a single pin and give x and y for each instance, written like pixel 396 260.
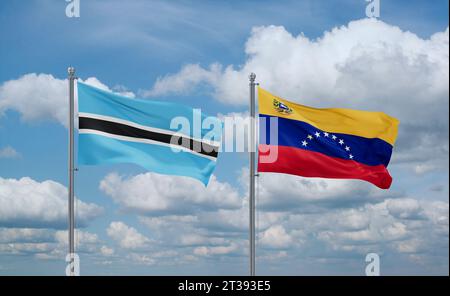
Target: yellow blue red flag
pixel 328 143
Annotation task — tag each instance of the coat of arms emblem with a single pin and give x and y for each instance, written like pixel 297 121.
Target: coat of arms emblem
pixel 281 108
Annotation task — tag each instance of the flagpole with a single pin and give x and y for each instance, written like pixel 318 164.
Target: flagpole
pixel 71 73
pixel 252 147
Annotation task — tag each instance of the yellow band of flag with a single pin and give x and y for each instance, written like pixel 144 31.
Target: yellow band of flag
pixel 334 120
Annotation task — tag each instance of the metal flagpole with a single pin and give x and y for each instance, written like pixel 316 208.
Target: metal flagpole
pixel 71 72
pixel 252 147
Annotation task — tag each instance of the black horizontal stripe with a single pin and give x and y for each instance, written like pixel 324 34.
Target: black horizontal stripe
pixel 121 129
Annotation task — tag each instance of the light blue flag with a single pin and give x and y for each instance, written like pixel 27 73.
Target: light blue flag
pixel 162 137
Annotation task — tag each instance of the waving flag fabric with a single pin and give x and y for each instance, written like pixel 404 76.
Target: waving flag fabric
pixel 328 143
pixel 117 129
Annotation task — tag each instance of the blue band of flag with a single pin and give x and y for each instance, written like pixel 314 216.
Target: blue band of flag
pixel 298 134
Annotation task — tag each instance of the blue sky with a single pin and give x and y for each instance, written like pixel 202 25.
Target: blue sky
pixel 162 50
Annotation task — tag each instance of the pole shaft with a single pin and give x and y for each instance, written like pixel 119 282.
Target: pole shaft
pixel 252 209
pixel 71 72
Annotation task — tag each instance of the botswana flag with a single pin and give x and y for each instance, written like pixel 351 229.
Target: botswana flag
pixel 117 129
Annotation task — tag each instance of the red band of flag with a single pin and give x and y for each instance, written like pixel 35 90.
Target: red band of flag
pixel 300 162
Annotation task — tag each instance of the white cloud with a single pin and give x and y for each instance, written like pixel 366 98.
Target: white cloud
pixel 192 239
pixel 165 222
pixel 293 193
pixel 273 256
pixel 405 208
pixel 151 193
pixel 9 152
pixel 395 223
pixel 164 257
pixel 26 248
pixel 25 235
pixel 323 218
pixel 275 237
pixel 186 80
pixel 409 246
pixel 93 81
pixel 224 220
pixel 142 259
pixel 352 219
pixel 45 243
pixel 219 250
pixel 36 97
pixel 119 89
pixel 402 228
pixel 106 251
pixel 29 203
pixel 438 213
pixel 318 71
pixel 62 237
pixel 126 236
pixel 235 221
pixel 41 96
pixel 85 242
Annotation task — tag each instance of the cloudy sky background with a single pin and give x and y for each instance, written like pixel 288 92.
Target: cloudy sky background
pixel 319 53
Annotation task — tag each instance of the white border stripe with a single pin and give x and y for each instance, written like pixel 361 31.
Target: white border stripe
pixel 145 141
pixel 144 127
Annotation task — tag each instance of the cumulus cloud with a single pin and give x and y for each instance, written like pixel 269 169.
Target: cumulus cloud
pixel 25 235
pixel 211 251
pixel 367 65
pixel 406 208
pixel 106 251
pixel 29 203
pixel 186 80
pixel 235 221
pixel 305 217
pixel 85 242
pixel 8 152
pixel 403 227
pixel 292 193
pixel 390 226
pixel 320 71
pixel 143 259
pixel 45 243
pixel 275 237
pixel 151 193
pixel 127 237
pixel 193 237
pixel 41 96
pixel 36 97
pixel 62 237
pixel 26 248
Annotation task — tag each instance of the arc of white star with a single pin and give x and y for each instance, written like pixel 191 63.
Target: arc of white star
pixel 351 156
pixel 317 134
pixel 341 141
pixel 304 143
pixel 347 148
pixel 333 137
pixel 326 134
pixel 310 137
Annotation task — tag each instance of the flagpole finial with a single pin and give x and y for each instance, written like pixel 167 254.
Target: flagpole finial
pixel 71 71
pixel 252 77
